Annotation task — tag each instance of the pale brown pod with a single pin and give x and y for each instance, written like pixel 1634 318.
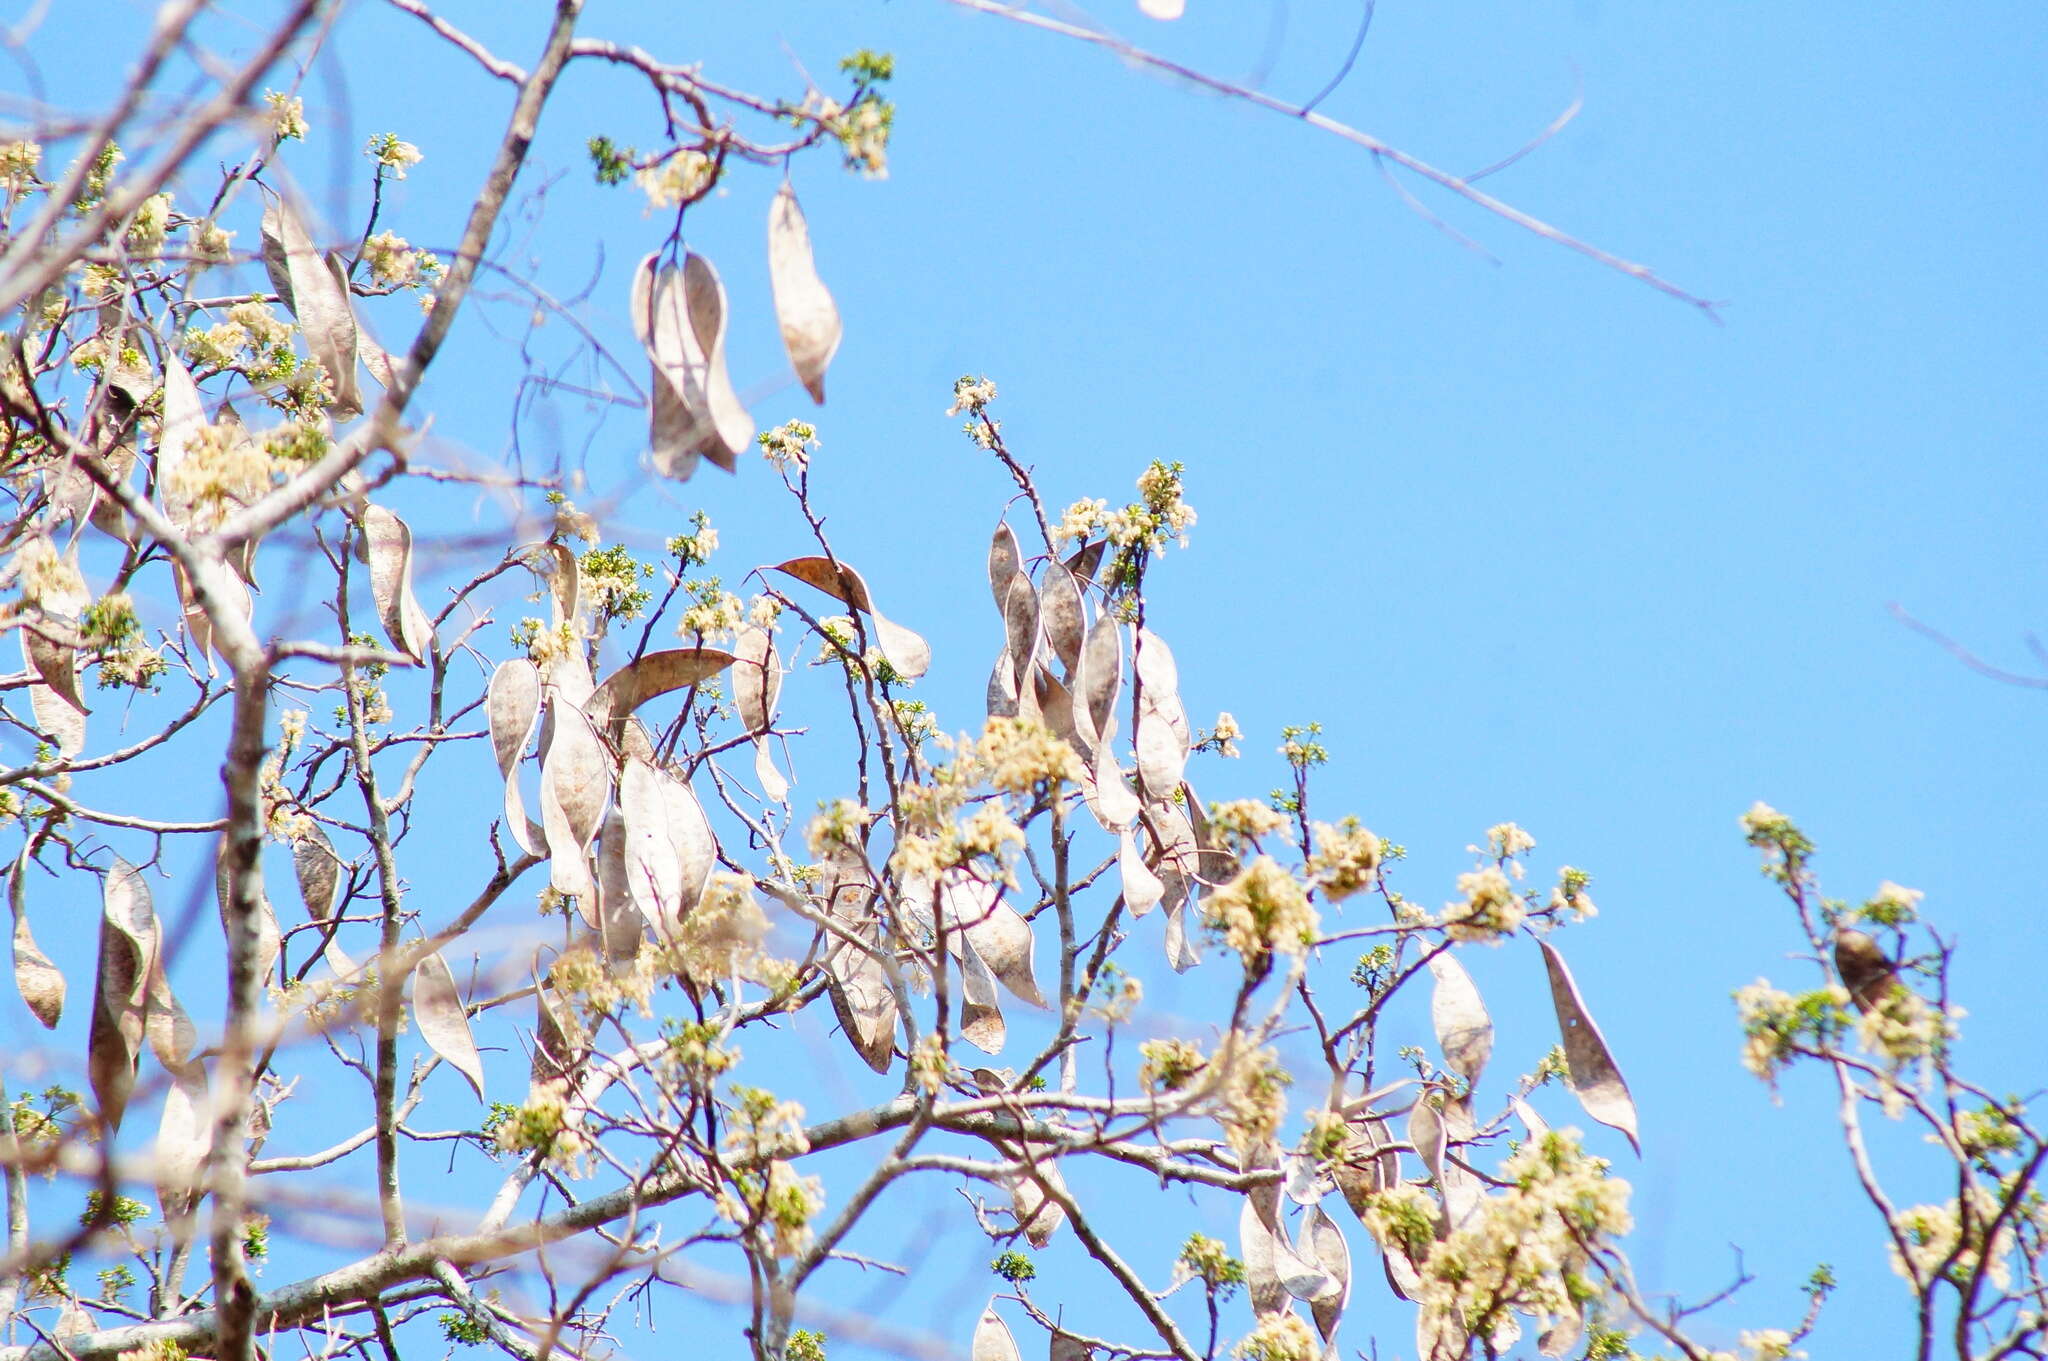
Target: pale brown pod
pixel 1464 1032
pixel 444 1024
pixel 320 302
pixel 906 652
pixel 804 309
pixel 1595 1078
pixel 387 542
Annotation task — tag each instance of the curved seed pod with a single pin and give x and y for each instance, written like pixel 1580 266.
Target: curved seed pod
pixel 1142 889
pixel 1060 609
pixel 669 848
pixel 756 677
pixel 909 654
pixel 1020 627
pixel 120 1004
pixel 444 1024
pixel 1084 561
pixel 1162 752
pixel 319 874
pixel 1153 661
pixel 1368 1165
pixel 729 429
pixel 654 674
pixel 1463 1029
pixel 53 697
pixel 387 542
pixel 1114 805
pixel 1180 854
pixel 1595 1078
pixel 1055 705
pixel 1402 1277
pixel 554 564
pixel 1322 1242
pixel 1005 561
pixel 1100 676
pixel 316 298
pixel 1255 1250
pixel 1531 1121
pixel 981 1010
pixel 1299 1277
pixel 184 417
pixel 184 1132
pixel 234 596
pixel 575 784
pixel 1002 687
pixel 374 356
pixel 620 923
pixel 661 320
pixel 512 703
pixel 651 863
pixel 1214 863
pixel 774 786
pixel 172 1036
pixel 992 1340
pixel 40 982
pixel 1038 1213
pixel 269 939
pixel 1426 1134
pixel 1067 1347
pixel 803 306
pixel 1181 950
pixel 862 1001
pixel 1463 1191
pixel 1002 938
pixel 555 1053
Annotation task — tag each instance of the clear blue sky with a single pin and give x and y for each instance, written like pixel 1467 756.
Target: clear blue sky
pixel 1531 540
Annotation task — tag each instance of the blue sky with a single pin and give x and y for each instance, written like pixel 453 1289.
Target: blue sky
pixel 1532 541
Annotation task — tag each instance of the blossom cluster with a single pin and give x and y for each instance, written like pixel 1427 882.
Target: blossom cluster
pixel 1159 517
pixel 1260 912
pixel 1490 911
pixel 1520 1250
pixel 1346 859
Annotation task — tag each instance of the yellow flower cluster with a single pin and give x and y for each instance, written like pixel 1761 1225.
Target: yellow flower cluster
pixel 1904 1026
pixel 287 115
pixel 1935 1233
pixel 1491 909
pixel 1346 860
pixel 19 162
pixel 1260 912
pixel 1240 822
pixel 783 1202
pixel 1519 1251
pixel 1022 756
pixel 1279 1337
pixel 1169 1065
pixel 542 1125
pixel 682 176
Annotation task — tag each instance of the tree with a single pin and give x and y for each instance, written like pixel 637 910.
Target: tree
pixel 929 895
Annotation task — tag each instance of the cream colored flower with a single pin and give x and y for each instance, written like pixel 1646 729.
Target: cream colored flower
pixel 1491 909
pixel 287 115
pixel 1346 859
pixel 1260 912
